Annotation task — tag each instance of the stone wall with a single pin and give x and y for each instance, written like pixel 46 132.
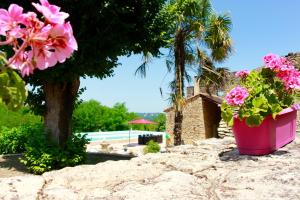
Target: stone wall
pixel 193 127
pixel 224 130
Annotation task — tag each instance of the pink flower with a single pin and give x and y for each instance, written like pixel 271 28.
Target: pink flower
pixel 62 42
pixel 284 70
pixel 237 96
pixel 277 63
pixel 242 74
pixel 292 80
pixel 43 57
pixel 31 21
pixel 23 62
pixel 10 20
pixel 59 46
pixel 269 60
pixel 51 12
pixel 37 44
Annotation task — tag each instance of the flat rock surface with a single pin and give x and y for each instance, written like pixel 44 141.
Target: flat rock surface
pixel 210 169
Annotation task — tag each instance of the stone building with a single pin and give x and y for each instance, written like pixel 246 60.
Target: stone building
pixel 201 116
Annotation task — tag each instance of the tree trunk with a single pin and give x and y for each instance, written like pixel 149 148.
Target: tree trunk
pixel 178 128
pixel 207 89
pixel 179 78
pixel 60 98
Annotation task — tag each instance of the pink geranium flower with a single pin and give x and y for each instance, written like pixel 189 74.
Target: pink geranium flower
pixel 37 44
pixel 284 70
pixel 23 62
pixel 270 60
pixel 51 12
pixel 237 96
pixel 242 73
pixel 62 42
pixel 292 80
pixel 10 20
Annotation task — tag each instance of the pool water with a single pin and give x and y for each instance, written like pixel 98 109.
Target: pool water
pixel 117 135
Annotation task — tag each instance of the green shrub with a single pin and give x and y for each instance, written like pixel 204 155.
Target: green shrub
pixel 14 140
pixel 10 118
pixel 42 156
pixel 152 147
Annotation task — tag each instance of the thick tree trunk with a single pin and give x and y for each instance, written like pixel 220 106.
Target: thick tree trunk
pixel 60 98
pixel 180 69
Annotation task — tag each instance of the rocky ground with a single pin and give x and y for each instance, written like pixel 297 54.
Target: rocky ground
pixel 211 169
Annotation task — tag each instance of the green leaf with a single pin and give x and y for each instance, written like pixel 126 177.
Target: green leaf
pixel 260 104
pixel 227 114
pixel 12 89
pixel 254 120
pixel 275 109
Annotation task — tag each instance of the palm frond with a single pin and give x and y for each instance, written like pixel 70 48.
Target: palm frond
pixel 161 91
pixel 142 69
pixel 187 77
pixel 170 65
pixel 205 10
pixel 172 85
pixel 217 36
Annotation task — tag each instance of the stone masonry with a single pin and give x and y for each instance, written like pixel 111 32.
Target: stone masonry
pixel 224 130
pixel 193 127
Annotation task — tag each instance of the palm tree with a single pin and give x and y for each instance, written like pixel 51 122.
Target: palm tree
pixel 196 29
pixel 193 30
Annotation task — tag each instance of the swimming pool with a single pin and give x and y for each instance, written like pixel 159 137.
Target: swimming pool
pixel 117 135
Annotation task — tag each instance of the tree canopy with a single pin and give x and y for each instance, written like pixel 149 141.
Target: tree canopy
pixel 104 30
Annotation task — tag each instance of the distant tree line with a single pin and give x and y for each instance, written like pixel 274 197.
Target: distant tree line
pixel 91 116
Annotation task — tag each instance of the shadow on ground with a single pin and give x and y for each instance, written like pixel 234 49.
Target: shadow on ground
pixel 94 158
pixel 233 155
pixel 11 166
pixel 12 162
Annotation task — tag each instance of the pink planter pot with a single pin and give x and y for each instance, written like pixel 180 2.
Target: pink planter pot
pixel 269 136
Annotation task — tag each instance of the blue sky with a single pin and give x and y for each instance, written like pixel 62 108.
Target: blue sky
pixel 259 27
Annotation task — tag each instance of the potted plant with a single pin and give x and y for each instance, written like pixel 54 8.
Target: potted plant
pixel 263 109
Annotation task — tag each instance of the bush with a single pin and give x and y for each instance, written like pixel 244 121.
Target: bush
pixel 14 140
pixel 152 147
pixel 42 156
pixel 21 117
